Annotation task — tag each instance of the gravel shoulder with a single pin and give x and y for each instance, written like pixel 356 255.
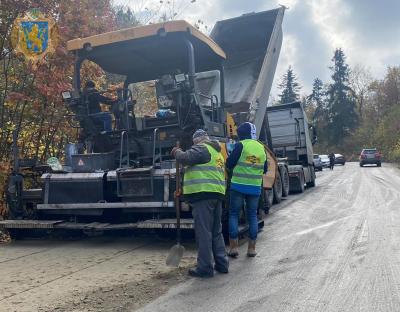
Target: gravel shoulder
pixel 94 274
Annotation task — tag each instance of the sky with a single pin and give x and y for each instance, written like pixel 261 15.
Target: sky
pixel 367 30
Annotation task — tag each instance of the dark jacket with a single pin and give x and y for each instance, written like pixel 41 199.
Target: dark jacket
pixel 94 98
pixel 196 155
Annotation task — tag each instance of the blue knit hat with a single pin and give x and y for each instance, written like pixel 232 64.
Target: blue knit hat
pixel 247 130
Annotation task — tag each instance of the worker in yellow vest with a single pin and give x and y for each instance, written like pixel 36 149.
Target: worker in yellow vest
pixel 204 188
pixel 247 163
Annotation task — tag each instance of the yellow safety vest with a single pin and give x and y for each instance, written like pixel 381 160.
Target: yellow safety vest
pixel 209 177
pixel 250 166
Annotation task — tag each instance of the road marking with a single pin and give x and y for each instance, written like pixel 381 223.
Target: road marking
pixel 321 226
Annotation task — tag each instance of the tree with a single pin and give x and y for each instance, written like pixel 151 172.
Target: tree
pixel 124 17
pixel 316 97
pixel 342 116
pixel 316 100
pixel 360 80
pixel 153 11
pixel 381 119
pixel 30 99
pixel 290 87
pixel 316 109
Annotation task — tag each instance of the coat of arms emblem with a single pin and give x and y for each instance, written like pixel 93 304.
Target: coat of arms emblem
pixel 34 35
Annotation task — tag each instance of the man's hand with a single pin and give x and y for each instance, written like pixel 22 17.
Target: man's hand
pixel 177 193
pixel 174 150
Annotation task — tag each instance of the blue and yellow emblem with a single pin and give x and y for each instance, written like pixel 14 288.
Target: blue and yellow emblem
pixel 34 35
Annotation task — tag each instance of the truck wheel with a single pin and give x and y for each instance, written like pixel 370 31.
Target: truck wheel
pixel 277 189
pixel 268 199
pixel 301 182
pixel 285 181
pixel 312 182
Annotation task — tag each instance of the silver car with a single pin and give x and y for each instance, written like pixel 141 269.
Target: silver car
pixel 370 156
pixel 317 162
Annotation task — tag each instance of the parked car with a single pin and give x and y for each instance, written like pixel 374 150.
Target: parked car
pixel 339 159
pixel 370 156
pixel 317 162
pixel 325 161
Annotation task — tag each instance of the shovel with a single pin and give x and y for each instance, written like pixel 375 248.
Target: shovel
pixel 176 252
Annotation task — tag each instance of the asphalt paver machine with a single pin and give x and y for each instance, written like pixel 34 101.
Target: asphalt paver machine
pixel 125 178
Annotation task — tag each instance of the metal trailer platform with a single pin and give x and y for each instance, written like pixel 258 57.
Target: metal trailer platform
pixel 186 224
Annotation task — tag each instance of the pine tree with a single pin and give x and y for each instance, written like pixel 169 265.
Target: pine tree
pixel 316 99
pixel 290 87
pixel 342 116
pixel 317 111
pixel 125 18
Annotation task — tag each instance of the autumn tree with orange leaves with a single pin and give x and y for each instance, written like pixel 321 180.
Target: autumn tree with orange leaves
pixel 30 100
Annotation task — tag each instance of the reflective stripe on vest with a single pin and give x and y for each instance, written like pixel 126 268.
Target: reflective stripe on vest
pixel 250 167
pixel 209 177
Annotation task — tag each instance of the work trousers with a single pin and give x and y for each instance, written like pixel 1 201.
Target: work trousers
pixel 208 230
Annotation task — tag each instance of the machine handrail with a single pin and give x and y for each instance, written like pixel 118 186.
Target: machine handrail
pixel 124 134
pixel 154 146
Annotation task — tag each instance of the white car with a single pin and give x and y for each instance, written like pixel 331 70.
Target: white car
pixel 325 161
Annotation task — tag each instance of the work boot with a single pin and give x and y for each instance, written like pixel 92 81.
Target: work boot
pixel 251 249
pixel 195 272
pixel 233 248
pixel 221 269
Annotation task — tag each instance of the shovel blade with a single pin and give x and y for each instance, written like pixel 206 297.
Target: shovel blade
pixel 175 255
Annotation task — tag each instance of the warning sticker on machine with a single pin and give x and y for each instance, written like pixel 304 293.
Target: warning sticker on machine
pixel 81 163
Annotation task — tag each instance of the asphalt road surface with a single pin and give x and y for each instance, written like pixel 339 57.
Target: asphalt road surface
pixel 335 248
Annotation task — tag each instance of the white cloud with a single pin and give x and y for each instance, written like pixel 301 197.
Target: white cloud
pixel 365 29
pixel 288 3
pixel 288 57
pixel 336 21
pixel 327 15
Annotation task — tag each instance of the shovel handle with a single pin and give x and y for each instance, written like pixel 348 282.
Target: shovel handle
pixel 177 200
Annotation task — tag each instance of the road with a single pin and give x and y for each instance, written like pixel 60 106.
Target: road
pixel 333 248
pixel 336 248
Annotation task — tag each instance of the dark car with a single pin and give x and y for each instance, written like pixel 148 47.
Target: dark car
pixel 317 162
pixel 370 156
pixel 339 159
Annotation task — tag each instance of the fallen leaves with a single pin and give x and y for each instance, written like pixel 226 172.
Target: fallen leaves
pixel 4 237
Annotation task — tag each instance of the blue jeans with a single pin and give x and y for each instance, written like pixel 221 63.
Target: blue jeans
pixel 106 119
pixel 236 202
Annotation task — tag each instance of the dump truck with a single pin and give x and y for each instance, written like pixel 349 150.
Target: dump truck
pixel 125 178
pixel 293 138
